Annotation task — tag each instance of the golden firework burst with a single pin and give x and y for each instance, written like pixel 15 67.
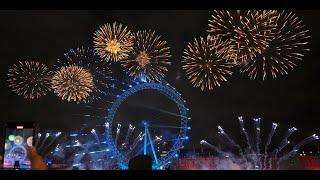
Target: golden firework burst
pixel 150 56
pixel 113 42
pixel 285 50
pixel 30 79
pixel 248 31
pixel 73 83
pixel 207 63
pixel 88 59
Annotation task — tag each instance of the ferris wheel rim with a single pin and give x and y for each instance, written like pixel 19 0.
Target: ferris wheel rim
pixel 169 92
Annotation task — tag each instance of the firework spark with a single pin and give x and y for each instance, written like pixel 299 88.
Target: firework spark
pixel 285 51
pixel 89 60
pixel 30 79
pixel 150 56
pixel 251 156
pixel 113 42
pixel 206 62
pixel 248 31
pixel 73 83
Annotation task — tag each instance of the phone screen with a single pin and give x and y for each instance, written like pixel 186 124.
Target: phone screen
pixel 17 139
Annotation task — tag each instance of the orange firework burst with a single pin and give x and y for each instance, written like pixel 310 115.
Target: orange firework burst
pixel 113 42
pixel 73 83
pixel 207 63
pixel 150 56
pixel 30 79
pixel 284 52
pixel 248 31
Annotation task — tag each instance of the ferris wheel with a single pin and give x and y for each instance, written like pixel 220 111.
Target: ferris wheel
pixel 155 125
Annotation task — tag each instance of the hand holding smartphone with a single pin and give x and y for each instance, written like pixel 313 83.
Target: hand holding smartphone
pixel 18 137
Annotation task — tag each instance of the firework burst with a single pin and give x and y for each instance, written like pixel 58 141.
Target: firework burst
pixel 150 56
pixel 206 62
pixel 90 61
pixel 248 31
pixel 113 42
pixel 30 79
pixel 73 83
pixel 285 51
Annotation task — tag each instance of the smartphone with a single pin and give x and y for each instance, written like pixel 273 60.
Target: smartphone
pixel 18 136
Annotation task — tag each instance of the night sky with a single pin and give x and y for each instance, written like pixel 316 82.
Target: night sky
pixel 291 100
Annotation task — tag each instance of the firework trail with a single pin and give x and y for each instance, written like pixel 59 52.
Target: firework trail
pixel 274 127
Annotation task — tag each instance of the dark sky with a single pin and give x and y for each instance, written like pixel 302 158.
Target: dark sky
pixel 291 100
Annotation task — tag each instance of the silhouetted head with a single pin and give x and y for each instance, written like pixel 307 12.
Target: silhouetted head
pixel 140 162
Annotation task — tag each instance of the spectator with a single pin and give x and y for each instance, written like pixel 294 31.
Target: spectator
pixel 140 162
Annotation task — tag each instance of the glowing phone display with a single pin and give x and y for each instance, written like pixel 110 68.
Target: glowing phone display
pixel 17 140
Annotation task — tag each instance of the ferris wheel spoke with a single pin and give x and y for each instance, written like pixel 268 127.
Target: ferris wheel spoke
pixel 147 137
pixel 160 110
pixel 164 126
